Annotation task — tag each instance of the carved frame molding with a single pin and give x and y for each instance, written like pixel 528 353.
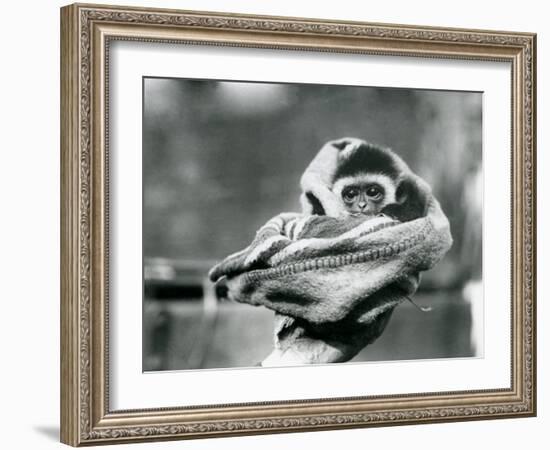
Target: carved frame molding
pixel 86 31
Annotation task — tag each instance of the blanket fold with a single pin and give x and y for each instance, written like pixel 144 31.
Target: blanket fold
pixel 334 279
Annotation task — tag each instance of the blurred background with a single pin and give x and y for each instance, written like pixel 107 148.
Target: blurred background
pixel 221 158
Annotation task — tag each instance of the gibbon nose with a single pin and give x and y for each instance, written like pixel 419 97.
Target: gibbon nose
pixel 362 205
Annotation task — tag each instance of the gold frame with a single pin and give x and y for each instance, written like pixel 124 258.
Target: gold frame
pixel 86 31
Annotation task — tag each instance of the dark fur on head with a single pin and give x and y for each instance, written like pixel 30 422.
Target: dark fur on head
pixel 367 158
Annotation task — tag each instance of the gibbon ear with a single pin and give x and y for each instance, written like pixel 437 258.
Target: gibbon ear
pixel 411 201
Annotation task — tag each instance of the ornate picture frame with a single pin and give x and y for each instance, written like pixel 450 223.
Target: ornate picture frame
pixel 87 31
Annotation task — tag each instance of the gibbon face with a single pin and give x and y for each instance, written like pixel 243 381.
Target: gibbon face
pixel 365 193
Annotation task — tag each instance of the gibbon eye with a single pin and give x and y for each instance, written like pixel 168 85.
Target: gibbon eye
pixel 375 192
pixel 350 194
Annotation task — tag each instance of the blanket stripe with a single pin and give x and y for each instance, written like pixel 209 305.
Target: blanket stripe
pixel 289 238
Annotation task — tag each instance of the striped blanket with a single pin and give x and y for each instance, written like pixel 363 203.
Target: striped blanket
pixel 320 267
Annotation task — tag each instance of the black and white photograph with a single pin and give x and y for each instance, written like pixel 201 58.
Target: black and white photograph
pixel 291 224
